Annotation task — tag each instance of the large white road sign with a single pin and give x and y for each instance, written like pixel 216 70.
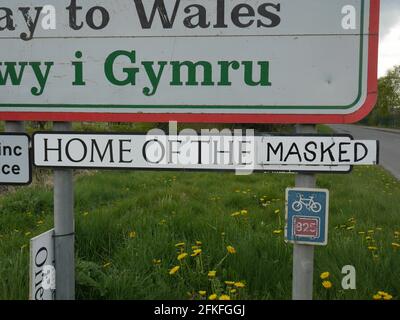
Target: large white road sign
pixel 303 61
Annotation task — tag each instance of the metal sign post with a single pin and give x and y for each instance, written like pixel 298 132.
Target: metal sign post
pixel 303 255
pixel 64 228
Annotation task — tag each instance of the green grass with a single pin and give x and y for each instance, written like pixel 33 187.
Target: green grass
pixel 124 220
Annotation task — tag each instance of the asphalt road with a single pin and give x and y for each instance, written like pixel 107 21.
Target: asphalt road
pixel 389 143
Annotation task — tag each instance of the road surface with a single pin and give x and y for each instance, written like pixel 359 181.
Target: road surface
pixel 389 143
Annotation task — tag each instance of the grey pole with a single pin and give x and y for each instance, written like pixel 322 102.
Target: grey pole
pixel 303 255
pixel 14 126
pixel 64 227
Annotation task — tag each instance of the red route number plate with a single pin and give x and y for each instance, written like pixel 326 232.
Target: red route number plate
pixel 306 227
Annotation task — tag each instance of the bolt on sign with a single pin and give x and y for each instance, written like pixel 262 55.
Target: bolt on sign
pixel 202 152
pixel 253 61
pixel 15 159
pixel 42 267
pixel 307 213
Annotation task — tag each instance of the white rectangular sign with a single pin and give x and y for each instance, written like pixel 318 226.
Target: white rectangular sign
pixel 205 152
pixel 15 164
pixel 188 60
pixel 42 267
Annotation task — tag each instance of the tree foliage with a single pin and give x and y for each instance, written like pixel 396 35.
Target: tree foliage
pixel 387 110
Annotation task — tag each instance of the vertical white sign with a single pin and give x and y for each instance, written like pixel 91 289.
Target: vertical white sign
pixel 42 267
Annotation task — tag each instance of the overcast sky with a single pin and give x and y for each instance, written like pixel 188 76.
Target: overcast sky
pixel 389 49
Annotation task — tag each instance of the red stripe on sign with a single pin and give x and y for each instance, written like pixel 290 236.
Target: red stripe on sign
pixel 232 118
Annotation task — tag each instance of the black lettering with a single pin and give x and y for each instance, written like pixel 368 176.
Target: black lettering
pixel 16 169
pixel 310 152
pixel 46 149
pixel 358 158
pixel 5 169
pixel 275 19
pixel 8 17
pixel 31 24
pixel 122 151
pixel 327 150
pixel 237 14
pixel 201 16
pixel 109 147
pixel 105 18
pixel 68 154
pixel 171 151
pixel 159 5
pixel 144 151
pixel 278 149
pixel 40 263
pixel 40 291
pixel 293 151
pixel 220 15
pixel 342 152
pixel 18 151
pixel 243 152
pixel 73 8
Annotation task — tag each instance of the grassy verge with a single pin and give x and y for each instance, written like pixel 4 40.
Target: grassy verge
pixel 129 223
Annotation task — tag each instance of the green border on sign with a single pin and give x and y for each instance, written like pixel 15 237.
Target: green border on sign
pixel 77 106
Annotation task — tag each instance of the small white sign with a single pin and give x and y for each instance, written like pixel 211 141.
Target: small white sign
pixel 15 164
pixel 42 282
pixel 206 152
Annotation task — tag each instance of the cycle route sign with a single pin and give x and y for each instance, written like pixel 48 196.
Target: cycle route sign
pixel 307 216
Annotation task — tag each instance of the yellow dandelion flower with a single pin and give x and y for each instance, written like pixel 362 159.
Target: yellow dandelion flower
pixel 377 297
pixel 233 291
pixel 277 211
pixel 235 214
pixel 224 297
pixel 327 284
pixel 368 238
pixel 277 231
pixel 199 243
pixel 202 293
pixel 230 283
pixel 382 293
pixel 195 247
pixel 387 297
pixel 157 261
pixel 395 245
pixel 212 297
pixel 180 244
pixel 372 248
pixel 350 228
pixel 371 231
pixel 182 256
pixel 132 234
pixel 244 212
pixel 361 232
pixel 212 274
pixel 325 275
pixel 106 265
pixel 174 270
pixel 231 249
pixel 196 252
pixel 239 285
